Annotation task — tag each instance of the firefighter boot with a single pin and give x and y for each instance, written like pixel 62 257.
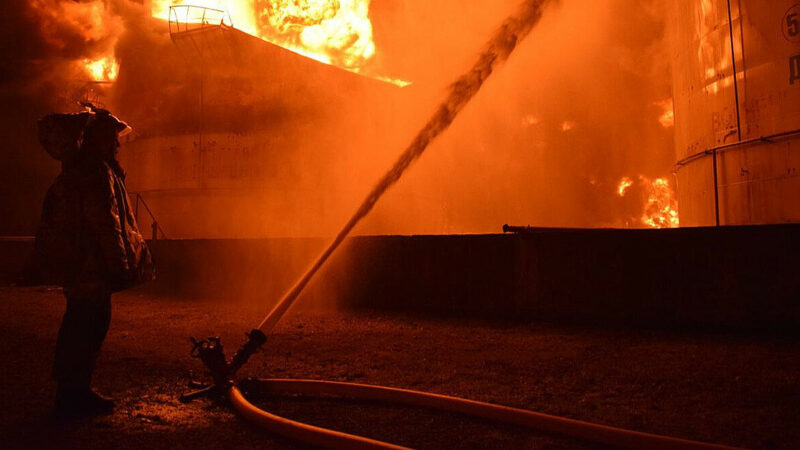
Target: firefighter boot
pixel 81 402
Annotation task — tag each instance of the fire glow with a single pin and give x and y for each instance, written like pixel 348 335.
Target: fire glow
pixel 336 32
pixel 624 184
pixel 667 117
pixel 90 26
pixel 660 209
pixel 103 69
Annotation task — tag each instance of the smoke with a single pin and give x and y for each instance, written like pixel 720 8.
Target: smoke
pixel 548 139
pixel 76 29
pixel 47 44
pixel 43 43
pixel 498 50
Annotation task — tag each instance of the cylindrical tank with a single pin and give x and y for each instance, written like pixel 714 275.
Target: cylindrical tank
pixel 239 139
pixel 737 138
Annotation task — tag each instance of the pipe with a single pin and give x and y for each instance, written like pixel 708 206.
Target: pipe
pixel 733 145
pixel 538 421
pixel 715 175
pixel 735 75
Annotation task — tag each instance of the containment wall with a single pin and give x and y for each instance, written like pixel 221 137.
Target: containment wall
pixel 738 277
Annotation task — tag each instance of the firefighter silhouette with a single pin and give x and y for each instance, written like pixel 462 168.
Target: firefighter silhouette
pixel 88 243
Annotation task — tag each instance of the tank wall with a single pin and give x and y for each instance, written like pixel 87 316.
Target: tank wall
pixel 756 181
pixel 260 184
pixel 233 185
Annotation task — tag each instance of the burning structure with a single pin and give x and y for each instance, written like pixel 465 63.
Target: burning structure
pixel 314 136
pixel 240 137
pixel 318 123
pixel 252 130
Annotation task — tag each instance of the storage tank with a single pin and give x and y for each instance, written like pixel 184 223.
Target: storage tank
pixel 737 138
pixel 236 137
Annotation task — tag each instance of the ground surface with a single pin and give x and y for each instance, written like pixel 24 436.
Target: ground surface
pixel 736 390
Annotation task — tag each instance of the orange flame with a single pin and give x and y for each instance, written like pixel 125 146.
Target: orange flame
pixel 90 27
pixel 337 32
pixel 624 184
pixel 103 69
pixel 661 209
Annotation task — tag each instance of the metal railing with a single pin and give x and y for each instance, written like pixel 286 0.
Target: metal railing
pixel 189 18
pixel 155 228
pixel 714 151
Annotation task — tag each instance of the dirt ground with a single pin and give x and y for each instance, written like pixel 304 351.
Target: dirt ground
pixel 731 389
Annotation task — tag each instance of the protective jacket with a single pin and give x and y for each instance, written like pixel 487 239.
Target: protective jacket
pixel 88 233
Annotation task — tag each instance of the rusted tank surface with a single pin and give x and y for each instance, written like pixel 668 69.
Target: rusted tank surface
pixel 737 137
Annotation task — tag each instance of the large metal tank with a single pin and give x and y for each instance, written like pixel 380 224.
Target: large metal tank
pixel 238 137
pixel 737 138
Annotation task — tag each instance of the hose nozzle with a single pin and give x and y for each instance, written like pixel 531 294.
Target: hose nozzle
pixel 255 339
pixel 212 355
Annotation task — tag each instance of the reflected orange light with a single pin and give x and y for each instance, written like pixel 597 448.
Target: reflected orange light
pixel 667 117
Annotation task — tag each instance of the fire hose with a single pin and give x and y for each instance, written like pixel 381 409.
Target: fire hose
pixel 333 439
pixel 210 351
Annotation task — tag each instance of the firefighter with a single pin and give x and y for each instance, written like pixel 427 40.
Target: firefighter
pixel 87 242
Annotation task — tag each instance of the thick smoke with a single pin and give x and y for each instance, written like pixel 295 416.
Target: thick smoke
pixel 45 46
pixel 43 43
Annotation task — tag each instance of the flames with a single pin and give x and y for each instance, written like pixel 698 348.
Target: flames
pixel 332 31
pixel 88 30
pixel 102 69
pixel 660 209
pixel 337 32
pixel 624 184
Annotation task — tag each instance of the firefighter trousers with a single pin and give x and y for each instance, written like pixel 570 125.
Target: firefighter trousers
pixel 83 330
